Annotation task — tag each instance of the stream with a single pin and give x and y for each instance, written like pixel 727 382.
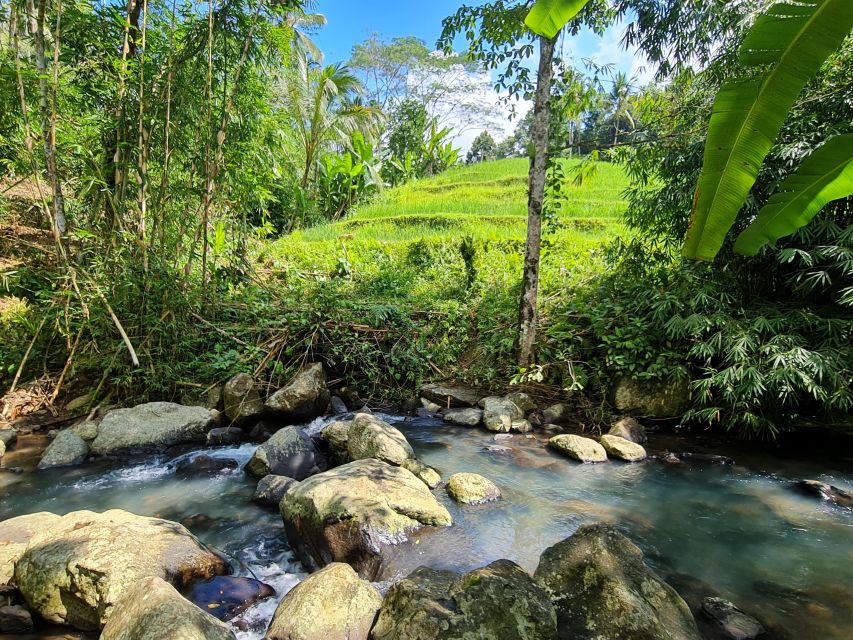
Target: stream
pixel 737 531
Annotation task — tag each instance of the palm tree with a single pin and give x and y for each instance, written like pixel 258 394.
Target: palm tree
pixel 620 100
pixel 322 104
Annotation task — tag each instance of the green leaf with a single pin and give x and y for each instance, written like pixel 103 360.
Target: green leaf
pixel 547 17
pixel 826 175
pixel 747 116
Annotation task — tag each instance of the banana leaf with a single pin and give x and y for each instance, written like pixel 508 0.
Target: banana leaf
pixel 547 17
pixel 824 176
pixel 793 40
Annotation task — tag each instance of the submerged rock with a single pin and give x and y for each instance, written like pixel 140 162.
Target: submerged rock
pixel 241 400
pixel 350 513
pixel 464 417
pixel 271 489
pixel 151 426
pixel 732 621
pixel 66 449
pixel 429 476
pixel 152 609
pixel 629 429
pixel 500 413
pixel 497 602
pixel 578 447
pixel 76 570
pixel 602 588
pixel 664 399
pixel 15 535
pixel 304 398
pixel 204 465
pixel 623 449
pixel 289 452
pixel 826 492
pixel 472 488
pixel 370 437
pixel 331 604
pixel 336 437
pixel 224 597
pixel 451 396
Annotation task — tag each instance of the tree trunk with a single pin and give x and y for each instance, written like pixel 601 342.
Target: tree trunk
pixel 535 197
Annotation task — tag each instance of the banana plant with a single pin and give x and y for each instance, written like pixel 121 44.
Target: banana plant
pixel 547 17
pixel 790 41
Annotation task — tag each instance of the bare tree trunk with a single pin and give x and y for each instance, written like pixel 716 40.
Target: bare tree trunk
pixel 47 112
pixel 535 197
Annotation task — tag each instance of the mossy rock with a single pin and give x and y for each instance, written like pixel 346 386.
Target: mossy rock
pixel 472 488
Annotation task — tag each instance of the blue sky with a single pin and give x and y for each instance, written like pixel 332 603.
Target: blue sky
pixel 350 22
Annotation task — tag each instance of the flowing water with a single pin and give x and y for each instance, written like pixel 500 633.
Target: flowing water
pixel 737 531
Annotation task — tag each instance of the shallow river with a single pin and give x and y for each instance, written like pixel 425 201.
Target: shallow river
pixel 738 531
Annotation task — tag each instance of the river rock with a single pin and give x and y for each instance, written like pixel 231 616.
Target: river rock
pixel 66 449
pixel 497 602
pixel 289 452
pixel 224 597
pixel 271 489
pixel 557 413
pixel 225 435
pixel 204 465
pixel 370 437
pixel 15 619
pixel 522 401
pixel 602 588
pixel 337 405
pixel 500 413
pixel 242 402
pixel 464 417
pixel 8 437
pixel 826 492
pixel 429 476
pixel 450 396
pixel 151 426
pixel 336 437
pixel 331 604
pixel 76 570
pixel 732 621
pixel 151 609
pixel 472 488
pixel 521 426
pixel 2 449
pixel 666 399
pixel 86 429
pixel 15 535
pixel 629 429
pixel 623 449
pixel 429 406
pixel 578 447
pixel 304 398
pixel 262 431
pixel 350 513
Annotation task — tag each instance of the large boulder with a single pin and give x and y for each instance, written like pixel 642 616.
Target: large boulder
pixel 497 602
pixel 464 417
pixel 499 414
pixel 578 447
pixel 656 399
pixel 623 449
pixel 76 571
pixel 331 604
pixel 446 396
pixel 336 437
pixel 271 489
pixel 151 426
pixel 66 449
pixel 242 402
pixel 370 437
pixel 629 429
pixel 602 588
pixel 472 488
pixel 15 535
pixel 289 452
pixel 151 609
pixel 304 398
pixel 350 513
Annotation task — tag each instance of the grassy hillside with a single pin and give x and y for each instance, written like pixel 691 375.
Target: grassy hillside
pixel 406 244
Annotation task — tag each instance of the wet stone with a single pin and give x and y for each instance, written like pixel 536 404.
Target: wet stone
pixel 224 597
